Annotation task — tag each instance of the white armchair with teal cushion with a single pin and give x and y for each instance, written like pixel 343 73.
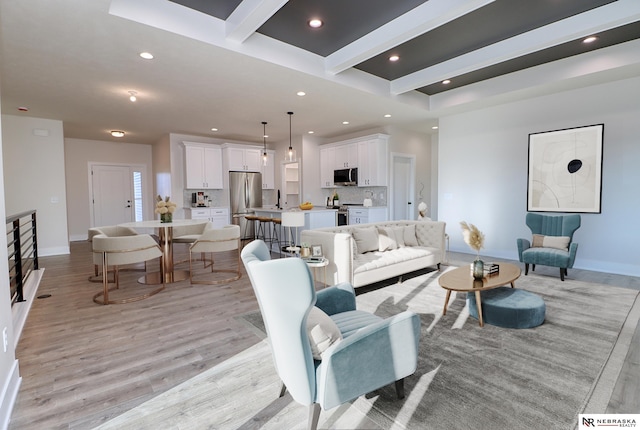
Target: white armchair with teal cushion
pixel 330 353
pixel 551 243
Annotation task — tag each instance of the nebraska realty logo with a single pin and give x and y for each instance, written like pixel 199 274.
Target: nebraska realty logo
pixel 620 421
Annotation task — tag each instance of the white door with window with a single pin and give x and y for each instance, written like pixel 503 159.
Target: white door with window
pixel 116 194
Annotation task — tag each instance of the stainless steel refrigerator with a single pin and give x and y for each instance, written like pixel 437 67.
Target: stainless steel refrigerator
pixel 245 192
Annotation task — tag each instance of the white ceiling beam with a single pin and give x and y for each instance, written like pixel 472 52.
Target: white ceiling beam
pixel 592 22
pixel 621 61
pixel 421 19
pixel 247 18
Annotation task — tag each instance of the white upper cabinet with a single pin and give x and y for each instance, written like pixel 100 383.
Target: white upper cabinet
pixel 243 159
pixel 327 164
pixel 269 171
pixel 203 166
pixel 373 163
pixel 370 154
pixel 346 156
pixel 253 160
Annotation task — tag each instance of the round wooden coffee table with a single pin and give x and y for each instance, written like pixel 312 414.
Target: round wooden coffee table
pixel 461 279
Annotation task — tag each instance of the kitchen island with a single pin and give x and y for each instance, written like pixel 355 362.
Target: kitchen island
pixel 318 217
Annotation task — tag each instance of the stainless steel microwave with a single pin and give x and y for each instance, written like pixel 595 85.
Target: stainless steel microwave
pixel 345 177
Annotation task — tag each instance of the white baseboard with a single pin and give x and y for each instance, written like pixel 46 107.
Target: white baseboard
pixel 20 310
pixel 78 237
pixel 58 250
pixel 9 395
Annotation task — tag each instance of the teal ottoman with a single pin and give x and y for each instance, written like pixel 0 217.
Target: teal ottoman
pixel 509 307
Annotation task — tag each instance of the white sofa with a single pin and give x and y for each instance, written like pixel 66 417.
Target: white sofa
pixel 400 247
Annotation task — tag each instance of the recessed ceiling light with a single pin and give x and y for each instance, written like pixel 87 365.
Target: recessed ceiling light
pixel 345 122
pixel 310 131
pixel 146 55
pixel 214 129
pixel 388 115
pixel 590 39
pixel 394 58
pixel 117 133
pixel 446 81
pixel 315 23
pixel 301 93
pixel 132 96
pixel 435 127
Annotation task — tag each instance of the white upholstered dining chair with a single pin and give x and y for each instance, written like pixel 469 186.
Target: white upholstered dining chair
pixel 116 251
pixel 216 240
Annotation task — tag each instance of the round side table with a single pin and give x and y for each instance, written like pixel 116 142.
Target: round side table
pixel 318 263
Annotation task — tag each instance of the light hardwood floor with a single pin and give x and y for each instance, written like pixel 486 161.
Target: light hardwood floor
pixel 83 363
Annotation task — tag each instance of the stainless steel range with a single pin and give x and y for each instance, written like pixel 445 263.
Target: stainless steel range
pixel 343 215
pixel 343 212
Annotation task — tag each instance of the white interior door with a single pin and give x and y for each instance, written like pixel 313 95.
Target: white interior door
pixel 402 179
pixel 112 198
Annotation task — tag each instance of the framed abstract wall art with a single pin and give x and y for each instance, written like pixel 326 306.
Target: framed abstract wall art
pixel 565 170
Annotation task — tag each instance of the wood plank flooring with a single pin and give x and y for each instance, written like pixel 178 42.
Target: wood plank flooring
pixel 84 363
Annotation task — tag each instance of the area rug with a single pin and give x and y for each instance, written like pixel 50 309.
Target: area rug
pixel 490 377
pixel 468 377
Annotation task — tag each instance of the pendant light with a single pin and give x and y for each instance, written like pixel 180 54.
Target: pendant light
pixel 290 147
pixel 264 143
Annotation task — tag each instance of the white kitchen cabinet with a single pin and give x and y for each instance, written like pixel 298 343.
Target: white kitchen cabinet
pixel 243 159
pixel 346 156
pixel 269 171
pixel 203 166
pixel 373 163
pixel 219 217
pixel 327 164
pixel 362 215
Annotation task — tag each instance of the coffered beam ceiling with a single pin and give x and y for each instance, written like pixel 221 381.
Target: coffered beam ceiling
pixel 357 55
pixel 221 67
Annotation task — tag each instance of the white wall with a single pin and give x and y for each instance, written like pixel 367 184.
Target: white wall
pixel 78 154
pixel 34 168
pixel 9 372
pixel 483 172
pixel 418 144
pixel 311 191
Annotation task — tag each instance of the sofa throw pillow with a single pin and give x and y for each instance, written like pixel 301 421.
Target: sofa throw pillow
pixel 366 239
pixel 322 332
pixel 386 239
pixel 556 242
pixel 409 235
pixel 399 234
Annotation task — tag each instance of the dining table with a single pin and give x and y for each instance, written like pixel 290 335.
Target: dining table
pixel 167 272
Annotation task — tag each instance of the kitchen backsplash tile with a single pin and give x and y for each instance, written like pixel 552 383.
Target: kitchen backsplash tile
pixel 216 197
pixel 358 194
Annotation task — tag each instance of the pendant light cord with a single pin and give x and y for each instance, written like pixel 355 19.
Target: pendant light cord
pixel 264 143
pixel 290 147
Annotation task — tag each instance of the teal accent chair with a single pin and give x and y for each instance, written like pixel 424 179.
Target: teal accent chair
pixel 547 225
pixel 373 352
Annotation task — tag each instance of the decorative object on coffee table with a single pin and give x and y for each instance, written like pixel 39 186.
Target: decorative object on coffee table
pixel 475 239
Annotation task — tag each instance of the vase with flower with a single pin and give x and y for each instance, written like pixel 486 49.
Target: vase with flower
pixel 475 239
pixel 165 207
